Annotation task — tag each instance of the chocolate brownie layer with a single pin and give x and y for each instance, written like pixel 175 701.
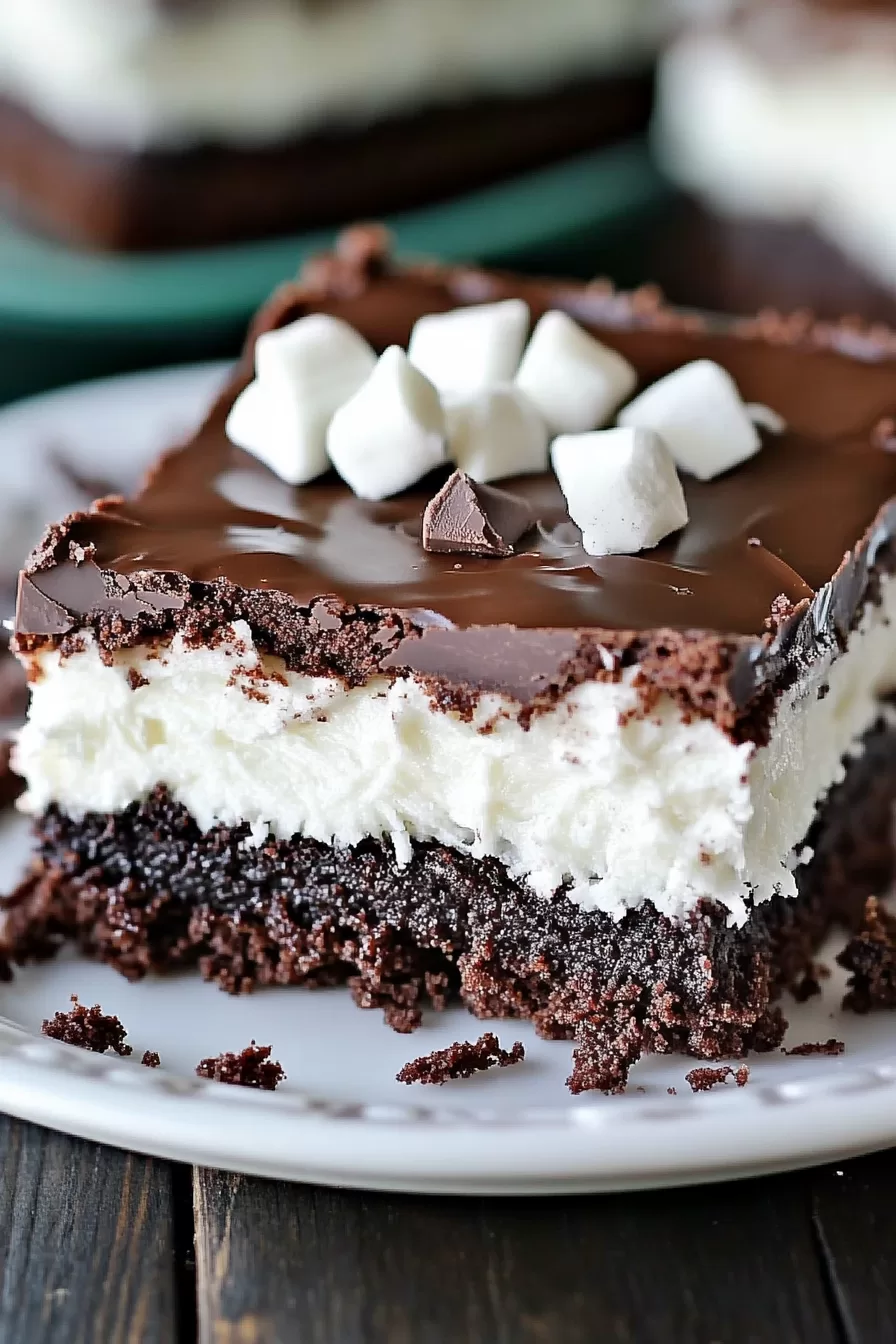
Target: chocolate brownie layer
pixel 146 890
pixel 214 194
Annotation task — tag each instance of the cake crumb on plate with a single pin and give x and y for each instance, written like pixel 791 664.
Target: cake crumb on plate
pixel 461 1060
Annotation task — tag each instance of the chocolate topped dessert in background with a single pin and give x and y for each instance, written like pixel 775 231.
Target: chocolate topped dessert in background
pixel 144 126
pixel 777 120
pixel 616 768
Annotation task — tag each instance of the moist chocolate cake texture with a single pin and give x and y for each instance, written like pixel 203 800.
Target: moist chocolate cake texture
pixel 733 666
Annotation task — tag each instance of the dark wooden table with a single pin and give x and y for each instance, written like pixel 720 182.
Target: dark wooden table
pixel 99 1245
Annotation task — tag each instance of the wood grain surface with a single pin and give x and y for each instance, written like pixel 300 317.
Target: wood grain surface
pixel 97 1247
pixel 86 1242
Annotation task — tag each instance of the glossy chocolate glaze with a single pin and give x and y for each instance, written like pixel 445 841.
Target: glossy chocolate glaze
pixel 776 527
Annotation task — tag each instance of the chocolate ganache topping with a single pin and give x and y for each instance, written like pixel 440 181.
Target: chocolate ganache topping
pixel 752 567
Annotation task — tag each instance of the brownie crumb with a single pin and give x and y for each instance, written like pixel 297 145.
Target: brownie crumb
pixel 828 1047
pixel 870 956
pixel 252 1067
pixel 89 1028
pixel 461 1060
pixel 702 1080
pixel 150 1059
pixel 673 1092
pixel 136 679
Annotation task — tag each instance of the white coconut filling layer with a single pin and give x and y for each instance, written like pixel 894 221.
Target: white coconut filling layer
pixel 625 809
pixel 805 139
pixel 111 72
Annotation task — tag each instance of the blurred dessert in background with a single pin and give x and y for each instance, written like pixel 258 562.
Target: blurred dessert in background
pixel 142 124
pixel 777 118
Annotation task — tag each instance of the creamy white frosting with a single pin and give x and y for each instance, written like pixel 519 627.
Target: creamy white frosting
pixel 250 71
pixel 804 138
pixel 659 808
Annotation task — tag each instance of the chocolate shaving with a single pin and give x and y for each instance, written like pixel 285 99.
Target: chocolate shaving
pixel 466 518
pixel 461 1060
pixel 252 1067
pixel 88 1028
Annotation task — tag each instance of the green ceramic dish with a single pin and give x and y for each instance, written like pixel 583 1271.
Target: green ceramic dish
pixel 68 315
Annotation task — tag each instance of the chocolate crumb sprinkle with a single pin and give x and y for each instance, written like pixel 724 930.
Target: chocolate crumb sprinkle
pixel 461 1060
pixel 150 1059
pixel 703 1080
pixel 252 1067
pixel 88 1028
pixel 829 1047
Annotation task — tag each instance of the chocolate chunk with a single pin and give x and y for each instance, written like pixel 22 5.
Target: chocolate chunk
pixel 55 598
pixel 466 518
pixel 521 663
pixel 39 614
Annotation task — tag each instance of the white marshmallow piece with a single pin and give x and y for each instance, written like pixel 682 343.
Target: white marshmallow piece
pixel 497 433
pixel 621 489
pixel 698 411
pixel 303 374
pixel 391 432
pixel 574 381
pixel 469 349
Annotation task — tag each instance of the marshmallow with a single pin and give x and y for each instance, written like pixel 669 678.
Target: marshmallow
pixel 496 433
pixel 621 489
pixel 469 349
pixel 303 374
pixel 765 418
pixel 697 410
pixel 574 381
pixel 391 432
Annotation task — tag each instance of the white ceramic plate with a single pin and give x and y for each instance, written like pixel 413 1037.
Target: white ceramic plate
pixel 340 1118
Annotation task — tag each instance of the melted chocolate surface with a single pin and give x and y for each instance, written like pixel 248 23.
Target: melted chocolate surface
pixel 778 525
